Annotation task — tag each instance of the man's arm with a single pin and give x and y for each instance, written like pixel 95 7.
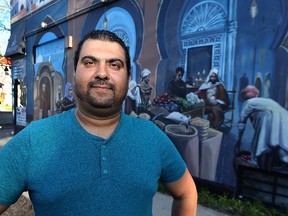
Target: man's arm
pixel 223 95
pixel 185 195
pixel 3 208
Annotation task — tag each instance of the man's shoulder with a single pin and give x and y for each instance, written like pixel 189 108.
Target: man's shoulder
pixel 140 84
pixel 55 120
pixel 183 83
pixel 136 121
pixel 220 86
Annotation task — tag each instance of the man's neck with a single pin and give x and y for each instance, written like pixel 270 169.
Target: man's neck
pixel 98 126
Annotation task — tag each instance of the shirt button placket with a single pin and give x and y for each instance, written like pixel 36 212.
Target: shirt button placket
pixel 104 161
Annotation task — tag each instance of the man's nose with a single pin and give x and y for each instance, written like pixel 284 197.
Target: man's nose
pixel 101 71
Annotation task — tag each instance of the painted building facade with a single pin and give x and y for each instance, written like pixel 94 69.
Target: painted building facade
pixel 246 41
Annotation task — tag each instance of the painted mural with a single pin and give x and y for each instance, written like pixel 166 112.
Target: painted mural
pixel 20 8
pixel 217 67
pixel 49 82
pixel 221 72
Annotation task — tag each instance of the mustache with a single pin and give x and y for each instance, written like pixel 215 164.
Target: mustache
pixel 101 82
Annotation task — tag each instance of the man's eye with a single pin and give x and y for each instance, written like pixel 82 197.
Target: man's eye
pixel 89 63
pixel 114 66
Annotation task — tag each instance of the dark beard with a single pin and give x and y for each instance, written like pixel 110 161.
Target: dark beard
pixel 213 82
pixel 96 102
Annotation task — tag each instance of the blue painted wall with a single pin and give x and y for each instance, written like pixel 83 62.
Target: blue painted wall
pixel 241 44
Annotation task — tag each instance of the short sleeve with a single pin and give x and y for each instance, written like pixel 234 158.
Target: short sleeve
pixel 173 166
pixel 13 160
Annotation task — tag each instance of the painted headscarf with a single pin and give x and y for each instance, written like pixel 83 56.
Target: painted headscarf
pixel 250 91
pixel 207 84
pixel 145 72
pixel 68 87
pixel 131 86
pixel 133 91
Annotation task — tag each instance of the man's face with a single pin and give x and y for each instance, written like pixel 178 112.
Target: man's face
pixel 101 79
pixel 213 78
pixel 147 79
pixel 70 91
pixel 178 76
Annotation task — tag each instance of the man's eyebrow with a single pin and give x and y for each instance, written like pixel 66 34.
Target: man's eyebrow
pixel 111 60
pixel 114 60
pixel 89 57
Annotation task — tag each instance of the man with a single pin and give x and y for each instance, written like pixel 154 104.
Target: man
pixel 177 87
pixel 215 96
pixel 94 159
pixel 270 122
pixel 145 88
pixel 243 82
pixel 44 101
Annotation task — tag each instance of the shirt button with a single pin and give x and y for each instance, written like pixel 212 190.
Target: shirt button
pixel 104 158
pixel 105 171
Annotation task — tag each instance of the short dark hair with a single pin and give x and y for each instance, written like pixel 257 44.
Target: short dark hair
pixel 103 35
pixel 181 69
